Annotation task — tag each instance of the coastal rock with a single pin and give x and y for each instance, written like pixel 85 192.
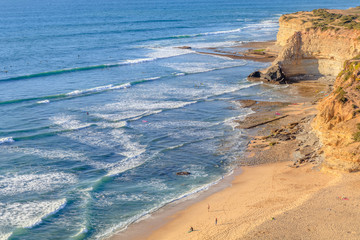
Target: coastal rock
pixel 338 121
pixel 183 173
pixel 184 47
pixel 312 45
pixel 273 74
pixel 256 74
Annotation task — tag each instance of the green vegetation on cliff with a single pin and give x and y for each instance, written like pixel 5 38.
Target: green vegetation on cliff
pixel 325 19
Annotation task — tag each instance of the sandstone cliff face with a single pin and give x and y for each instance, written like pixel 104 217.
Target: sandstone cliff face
pixel 338 121
pixel 321 42
pixel 310 50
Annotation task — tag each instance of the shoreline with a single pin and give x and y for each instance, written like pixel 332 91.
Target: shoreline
pixel 152 223
pixel 258 169
pixel 147 224
pixel 143 227
pixel 239 209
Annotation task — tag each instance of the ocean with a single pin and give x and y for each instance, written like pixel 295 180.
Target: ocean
pixel 100 108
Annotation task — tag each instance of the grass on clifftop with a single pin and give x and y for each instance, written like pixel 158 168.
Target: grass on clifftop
pixel 325 19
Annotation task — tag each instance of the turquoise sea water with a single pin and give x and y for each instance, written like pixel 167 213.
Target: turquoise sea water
pixel 99 109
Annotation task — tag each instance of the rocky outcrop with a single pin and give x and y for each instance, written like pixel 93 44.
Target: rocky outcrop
pixel 338 121
pixel 321 42
pixel 310 47
pixel 183 173
pixel 273 74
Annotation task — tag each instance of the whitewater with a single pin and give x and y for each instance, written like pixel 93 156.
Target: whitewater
pixel 102 102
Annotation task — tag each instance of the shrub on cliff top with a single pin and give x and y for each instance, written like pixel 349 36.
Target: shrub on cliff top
pixel 341 95
pixel 356 137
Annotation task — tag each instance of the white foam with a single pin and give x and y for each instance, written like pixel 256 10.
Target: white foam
pixel 98 89
pixel 6 140
pixel 211 33
pixel 43 101
pixel 82 231
pixel 141 105
pixel 5 236
pixel 125 165
pixel 232 122
pixel 123 225
pixel 115 139
pixel 167 52
pixel 181 124
pixel 49 154
pixel 151 79
pixel 139 60
pixel 196 170
pixel 15 184
pixel 176 146
pixel 68 122
pixel 270 24
pixel 112 124
pixel 92 138
pixel 132 151
pixel 28 214
pixel 133 109
pixel 132 148
pixel 222 32
pixel 157 184
pixel 180 74
pixel 219 89
pixel 146 113
pixel 133 197
pixel 214 44
pixel 118 116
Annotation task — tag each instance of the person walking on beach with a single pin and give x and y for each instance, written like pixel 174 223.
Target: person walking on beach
pixel 208 207
pixel 215 221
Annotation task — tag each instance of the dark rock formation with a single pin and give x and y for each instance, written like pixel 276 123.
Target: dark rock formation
pixel 273 74
pixel 183 173
pixel 256 74
pixel 184 47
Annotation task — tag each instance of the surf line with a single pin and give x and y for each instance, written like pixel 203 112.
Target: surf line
pixel 77 69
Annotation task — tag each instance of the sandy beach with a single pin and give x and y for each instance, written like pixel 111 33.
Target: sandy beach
pixel 272 191
pixel 258 196
pixel 274 202
pixel 281 200
pixel 282 192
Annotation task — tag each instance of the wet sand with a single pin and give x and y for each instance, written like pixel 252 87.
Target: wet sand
pixel 254 51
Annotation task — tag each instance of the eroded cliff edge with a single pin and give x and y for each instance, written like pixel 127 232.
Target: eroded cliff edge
pixel 314 43
pixel 325 42
pixel 318 42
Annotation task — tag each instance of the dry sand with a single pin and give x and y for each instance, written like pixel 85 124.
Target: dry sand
pixel 255 201
pixel 274 202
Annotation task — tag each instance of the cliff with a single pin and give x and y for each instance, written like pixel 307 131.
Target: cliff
pixel 338 121
pixel 325 42
pixel 318 42
pixel 321 42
